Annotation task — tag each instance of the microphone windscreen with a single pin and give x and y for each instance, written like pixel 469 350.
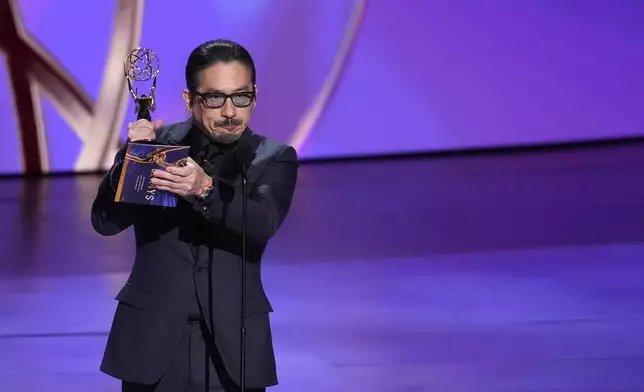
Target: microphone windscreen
pixel 243 155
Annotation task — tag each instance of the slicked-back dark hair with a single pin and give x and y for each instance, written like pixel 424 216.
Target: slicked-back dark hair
pixel 213 52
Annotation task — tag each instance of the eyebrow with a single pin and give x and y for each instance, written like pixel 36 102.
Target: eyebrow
pixel 244 89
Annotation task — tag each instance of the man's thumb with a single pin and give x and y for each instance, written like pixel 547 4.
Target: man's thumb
pixel 157 124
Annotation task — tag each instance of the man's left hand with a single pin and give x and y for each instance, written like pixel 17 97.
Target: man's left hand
pixel 187 181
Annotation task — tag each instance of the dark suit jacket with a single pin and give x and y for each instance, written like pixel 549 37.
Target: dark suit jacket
pixel 196 247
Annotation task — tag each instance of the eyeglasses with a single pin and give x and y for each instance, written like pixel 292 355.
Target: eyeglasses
pixel 216 100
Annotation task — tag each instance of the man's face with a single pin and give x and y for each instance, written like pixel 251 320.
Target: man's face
pixel 223 118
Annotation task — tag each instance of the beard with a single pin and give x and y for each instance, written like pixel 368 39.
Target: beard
pixel 221 137
pixel 224 138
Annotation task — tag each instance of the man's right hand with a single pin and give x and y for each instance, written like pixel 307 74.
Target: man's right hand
pixel 143 130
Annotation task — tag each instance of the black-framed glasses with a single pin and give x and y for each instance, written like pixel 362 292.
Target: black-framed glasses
pixel 240 99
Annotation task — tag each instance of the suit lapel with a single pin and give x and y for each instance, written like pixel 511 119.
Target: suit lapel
pixel 175 133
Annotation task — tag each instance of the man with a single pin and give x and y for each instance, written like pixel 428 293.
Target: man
pixel 177 323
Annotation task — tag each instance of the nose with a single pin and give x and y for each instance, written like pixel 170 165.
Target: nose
pixel 228 110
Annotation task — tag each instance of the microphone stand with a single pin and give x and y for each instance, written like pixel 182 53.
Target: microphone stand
pixel 242 368
pixel 243 157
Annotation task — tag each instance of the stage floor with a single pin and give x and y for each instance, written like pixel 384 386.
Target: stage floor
pixel 516 272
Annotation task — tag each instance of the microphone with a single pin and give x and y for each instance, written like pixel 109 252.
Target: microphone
pixel 243 156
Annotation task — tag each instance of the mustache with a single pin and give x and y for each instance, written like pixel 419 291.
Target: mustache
pixel 228 122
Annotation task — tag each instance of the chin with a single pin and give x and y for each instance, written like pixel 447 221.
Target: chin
pixel 225 137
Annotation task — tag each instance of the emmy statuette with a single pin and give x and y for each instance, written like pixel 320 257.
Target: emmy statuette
pixel 142 67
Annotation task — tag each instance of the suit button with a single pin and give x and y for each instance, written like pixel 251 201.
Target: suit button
pixel 199 269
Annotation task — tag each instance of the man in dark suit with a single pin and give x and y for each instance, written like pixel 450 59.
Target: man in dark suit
pixel 177 322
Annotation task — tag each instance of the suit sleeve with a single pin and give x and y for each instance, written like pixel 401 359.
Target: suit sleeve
pixel 269 200
pixel 109 217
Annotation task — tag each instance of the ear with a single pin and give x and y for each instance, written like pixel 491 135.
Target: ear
pixel 255 103
pixel 186 99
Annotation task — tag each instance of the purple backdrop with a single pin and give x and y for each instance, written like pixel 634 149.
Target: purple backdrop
pixel 421 75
